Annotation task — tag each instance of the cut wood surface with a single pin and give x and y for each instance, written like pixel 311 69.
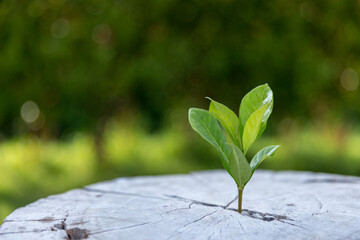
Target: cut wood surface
pixel 200 205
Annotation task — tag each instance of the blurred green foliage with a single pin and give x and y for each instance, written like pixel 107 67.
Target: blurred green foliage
pixel 92 90
pixel 84 61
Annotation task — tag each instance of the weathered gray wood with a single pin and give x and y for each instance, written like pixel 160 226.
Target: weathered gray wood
pixel 278 205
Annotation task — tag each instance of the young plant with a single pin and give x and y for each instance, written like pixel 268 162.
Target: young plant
pixel 232 136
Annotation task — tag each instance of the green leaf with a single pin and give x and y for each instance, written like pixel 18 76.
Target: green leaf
pixel 208 127
pixel 239 167
pixel 228 120
pixel 254 100
pixel 262 155
pixel 252 127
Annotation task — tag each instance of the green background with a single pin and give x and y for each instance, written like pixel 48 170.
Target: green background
pixel 110 83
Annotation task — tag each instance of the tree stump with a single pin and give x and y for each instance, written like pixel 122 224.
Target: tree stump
pixel 200 205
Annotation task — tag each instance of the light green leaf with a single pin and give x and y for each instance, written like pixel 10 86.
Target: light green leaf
pixel 254 100
pixel 208 127
pixel 252 127
pixel 228 120
pixel 262 155
pixel 239 167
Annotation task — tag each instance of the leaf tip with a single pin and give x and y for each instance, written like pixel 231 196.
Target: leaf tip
pixel 190 111
pixel 209 98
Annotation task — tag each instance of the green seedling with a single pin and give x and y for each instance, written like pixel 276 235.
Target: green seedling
pixel 232 136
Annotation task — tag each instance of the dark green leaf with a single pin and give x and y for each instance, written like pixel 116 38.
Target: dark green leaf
pixel 239 167
pixel 208 127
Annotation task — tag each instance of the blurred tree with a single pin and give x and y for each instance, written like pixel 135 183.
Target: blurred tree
pixel 82 62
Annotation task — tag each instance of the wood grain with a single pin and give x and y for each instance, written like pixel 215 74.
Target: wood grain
pixel 200 205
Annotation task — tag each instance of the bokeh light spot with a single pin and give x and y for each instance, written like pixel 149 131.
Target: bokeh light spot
pixel 349 80
pixel 30 112
pixel 101 34
pixel 60 28
pixel 38 124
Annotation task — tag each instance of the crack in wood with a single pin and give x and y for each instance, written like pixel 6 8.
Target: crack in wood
pixel 253 214
pixel 60 226
pixel 227 205
pixel 195 221
pixel 127 227
pixel 195 201
pixel 221 229
pixel 189 223
pixel 268 217
pixel 314 215
pixel 178 209
pixel 241 225
pixel 319 202
pixel 213 233
pixel 20 232
pixel 292 224
pixel 71 233
pixel 50 219
pixel 121 193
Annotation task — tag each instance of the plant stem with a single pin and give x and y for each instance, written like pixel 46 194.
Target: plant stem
pixel 240 199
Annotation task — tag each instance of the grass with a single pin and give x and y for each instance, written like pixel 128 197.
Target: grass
pixel 31 168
